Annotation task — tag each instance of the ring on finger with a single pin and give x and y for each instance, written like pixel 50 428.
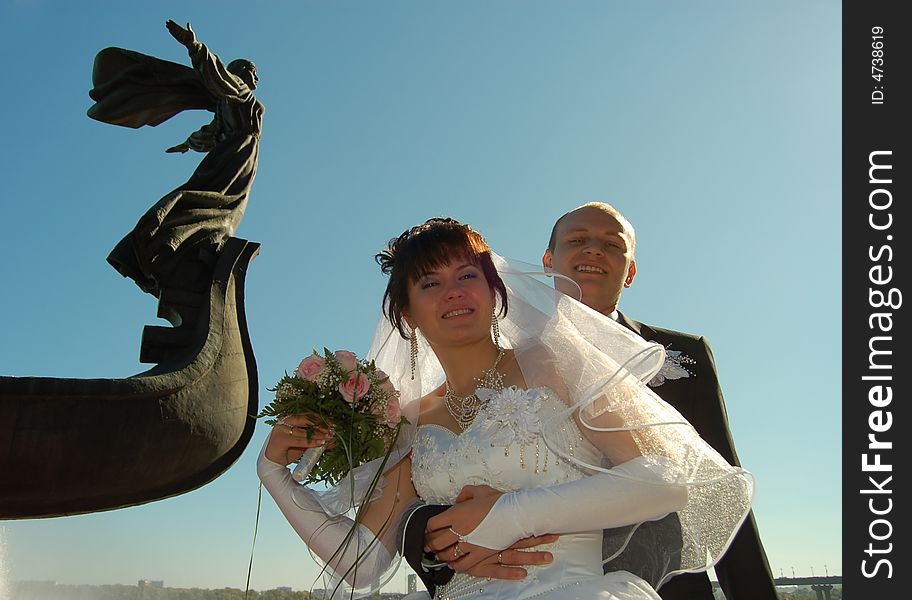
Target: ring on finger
pixel 290 430
pixel 456 553
pixel 456 533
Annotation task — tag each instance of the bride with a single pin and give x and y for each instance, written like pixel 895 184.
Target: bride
pixel 509 384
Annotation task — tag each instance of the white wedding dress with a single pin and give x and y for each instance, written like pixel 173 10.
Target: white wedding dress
pixel 504 448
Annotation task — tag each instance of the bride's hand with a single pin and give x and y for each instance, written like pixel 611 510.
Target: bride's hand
pixel 472 506
pixel 288 439
pixel 478 560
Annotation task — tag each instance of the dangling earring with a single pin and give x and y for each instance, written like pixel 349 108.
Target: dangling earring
pixel 413 350
pixel 495 328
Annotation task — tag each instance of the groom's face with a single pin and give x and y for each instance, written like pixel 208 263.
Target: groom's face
pixel 593 249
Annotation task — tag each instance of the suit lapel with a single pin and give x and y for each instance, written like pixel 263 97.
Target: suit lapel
pixel 638 328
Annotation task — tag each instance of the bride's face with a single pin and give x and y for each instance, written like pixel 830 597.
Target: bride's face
pixel 451 305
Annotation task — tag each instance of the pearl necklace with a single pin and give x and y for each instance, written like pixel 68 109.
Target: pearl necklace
pixel 463 409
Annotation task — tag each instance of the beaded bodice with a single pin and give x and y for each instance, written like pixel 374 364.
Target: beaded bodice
pixel 502 448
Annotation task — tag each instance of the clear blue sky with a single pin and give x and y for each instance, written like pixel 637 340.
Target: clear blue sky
pixel 713 125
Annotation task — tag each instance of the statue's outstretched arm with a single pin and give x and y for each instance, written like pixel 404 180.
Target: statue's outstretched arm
pixel 184 36
pixel 213 74
pixel 182 148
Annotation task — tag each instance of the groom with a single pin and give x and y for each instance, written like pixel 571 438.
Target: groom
pixel 594 245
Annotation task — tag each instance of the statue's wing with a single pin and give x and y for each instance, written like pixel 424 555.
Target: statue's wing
pixel 133 89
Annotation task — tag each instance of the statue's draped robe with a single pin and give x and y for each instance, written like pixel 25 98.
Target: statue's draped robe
pixel 132 90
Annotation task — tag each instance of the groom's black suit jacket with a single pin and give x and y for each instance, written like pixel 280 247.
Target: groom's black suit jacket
pixel 743 571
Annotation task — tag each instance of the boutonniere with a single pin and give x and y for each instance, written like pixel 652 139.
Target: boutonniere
pixel 673 367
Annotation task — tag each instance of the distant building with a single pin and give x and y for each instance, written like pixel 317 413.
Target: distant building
pixel 284 588
pixel 37 582
pixel 152 583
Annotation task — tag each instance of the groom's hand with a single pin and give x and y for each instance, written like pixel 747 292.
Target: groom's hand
pixel 507 564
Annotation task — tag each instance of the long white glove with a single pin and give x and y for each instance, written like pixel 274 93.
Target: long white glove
pixel 325 535
pixel 631 493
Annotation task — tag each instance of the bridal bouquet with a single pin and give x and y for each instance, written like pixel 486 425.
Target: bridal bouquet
pixel 352 398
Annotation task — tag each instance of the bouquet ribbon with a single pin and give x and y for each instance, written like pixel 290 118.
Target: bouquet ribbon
pixel 306 463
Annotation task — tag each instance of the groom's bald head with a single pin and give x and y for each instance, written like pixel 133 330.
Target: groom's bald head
pixel 593 245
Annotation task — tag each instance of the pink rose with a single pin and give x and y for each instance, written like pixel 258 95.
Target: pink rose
pixel 388 387
pixel 392 411
pixel 354 387
pixel 310 368
pixel 347 360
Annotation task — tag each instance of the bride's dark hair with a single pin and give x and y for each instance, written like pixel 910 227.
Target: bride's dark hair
pixel 425 248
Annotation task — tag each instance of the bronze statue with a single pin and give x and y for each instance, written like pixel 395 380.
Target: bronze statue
pixel 71 446
pixel 132 90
